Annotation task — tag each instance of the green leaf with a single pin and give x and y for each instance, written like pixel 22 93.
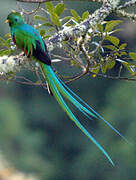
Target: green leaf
pixel 130 68
pixel 55 19
pixel 95 69
pixel 46 37
pixel 132 55
pixel 85 15
pixel 59 9
pixel 113 40
pixel 103 69
pixel 74 63
pixel 116 30
pixel 67 18
pixel 8 35
pixel 75 15
pixel 52 29
pixel 110 64
pixel 42 32
pixel 122 46
pixel 111 24
pixel 4 52
pixel 2 40
pixel 111 47
pixel 38 82
pixel 49 6
pixel 100 27
pixel 8 41
pixel 45 24
pixel 41 18
pixel 5 43
pixel 123 53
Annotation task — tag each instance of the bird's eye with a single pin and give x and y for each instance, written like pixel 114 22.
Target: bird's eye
pixel 16 19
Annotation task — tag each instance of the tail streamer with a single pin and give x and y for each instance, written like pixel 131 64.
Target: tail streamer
pixel 59 89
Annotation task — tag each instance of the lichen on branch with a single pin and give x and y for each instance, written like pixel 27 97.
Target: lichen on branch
pixel 74 34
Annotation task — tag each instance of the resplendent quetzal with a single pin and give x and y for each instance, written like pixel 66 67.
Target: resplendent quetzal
pixel 29 40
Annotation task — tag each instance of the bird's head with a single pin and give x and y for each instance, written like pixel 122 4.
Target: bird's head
pixel 14 19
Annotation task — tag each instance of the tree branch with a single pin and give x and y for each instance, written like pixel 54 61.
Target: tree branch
pixel 42 1
pixel 11 64
pixel 79 30
pixel 127 4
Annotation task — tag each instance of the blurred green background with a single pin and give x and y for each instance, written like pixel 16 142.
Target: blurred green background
pixel 37 137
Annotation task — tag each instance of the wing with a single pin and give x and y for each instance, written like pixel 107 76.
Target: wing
pixel 24 41
pixel 29 40
pixel 40 54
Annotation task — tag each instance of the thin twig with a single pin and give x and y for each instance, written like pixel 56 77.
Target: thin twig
pixel 76 77
pixel 30 12
pixel 116 77
pixel 61 57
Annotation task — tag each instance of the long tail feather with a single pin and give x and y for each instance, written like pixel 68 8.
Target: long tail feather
pixel 98 115
pixel 65 92
pixel 57 89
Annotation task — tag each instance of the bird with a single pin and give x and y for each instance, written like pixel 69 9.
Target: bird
pixel 29 40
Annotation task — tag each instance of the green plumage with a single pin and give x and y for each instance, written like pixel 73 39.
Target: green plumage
pixel 29 40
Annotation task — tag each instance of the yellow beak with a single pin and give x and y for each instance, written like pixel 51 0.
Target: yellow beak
pixel 7 21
